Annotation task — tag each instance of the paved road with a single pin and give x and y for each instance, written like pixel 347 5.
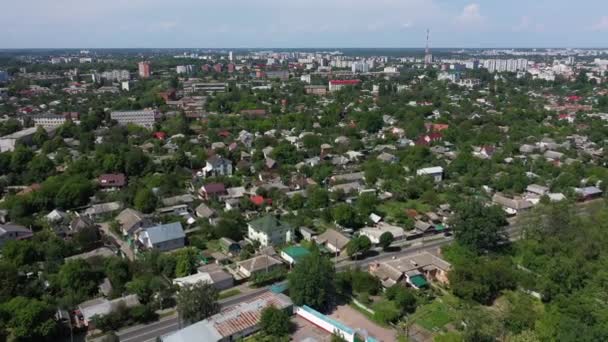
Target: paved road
pixel 149 332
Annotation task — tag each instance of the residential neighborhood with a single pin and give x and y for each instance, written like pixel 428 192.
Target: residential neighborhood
pixel 305 195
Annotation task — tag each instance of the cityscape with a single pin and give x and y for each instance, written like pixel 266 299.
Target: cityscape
pixel 429 191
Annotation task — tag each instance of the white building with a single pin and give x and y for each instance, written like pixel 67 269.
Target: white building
pixel 48 120
pixel 143 118
pixel 436 172
pixel 116 75
pixel 269 231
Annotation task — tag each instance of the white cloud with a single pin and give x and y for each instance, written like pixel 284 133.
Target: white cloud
pixel 471 15
pixel 527 24
pixel 524 24
pixel 602 24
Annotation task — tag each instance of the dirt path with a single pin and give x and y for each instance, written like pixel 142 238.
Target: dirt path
pixel 124 247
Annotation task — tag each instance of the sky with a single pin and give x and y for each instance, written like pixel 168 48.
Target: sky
pixel 301 23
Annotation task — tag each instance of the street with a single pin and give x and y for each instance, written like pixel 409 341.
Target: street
pixel 149 332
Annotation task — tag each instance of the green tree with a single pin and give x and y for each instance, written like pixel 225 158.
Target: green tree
pixel 345 215
pixel 479 227
pixel 275 322
pixel 78 276
pixel 145 200
pixel 197 302
pixel 8 280
pixel 186 262
pixel 311 281
pixel 40 137
pixel 386 239
pixel 29 319
pixel 117 271
pixel 358 246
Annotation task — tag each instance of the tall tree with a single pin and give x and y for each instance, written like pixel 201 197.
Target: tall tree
pixel 385 240
pixel 197 302
pixel 479 227
pixel 358 246
pixel 312 281
pixel 275 322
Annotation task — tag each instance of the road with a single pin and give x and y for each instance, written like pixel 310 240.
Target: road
pixel 149 332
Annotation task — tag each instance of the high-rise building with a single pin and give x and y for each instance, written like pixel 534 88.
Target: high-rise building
pixel 3 76
pixel 115 75
pixel 230 56
pixel 184 69
pixel 144 69
pixel 217 67
pixel 230 67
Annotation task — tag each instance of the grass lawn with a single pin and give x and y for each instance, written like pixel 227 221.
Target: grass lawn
pixel 396 209
pixel 229 293
pixel 214 245
pixel 434 316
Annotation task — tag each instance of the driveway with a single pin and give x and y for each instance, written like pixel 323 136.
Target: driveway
pixel 124 247
pixel 362 324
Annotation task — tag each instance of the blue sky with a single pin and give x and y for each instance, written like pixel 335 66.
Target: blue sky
pixel 302 23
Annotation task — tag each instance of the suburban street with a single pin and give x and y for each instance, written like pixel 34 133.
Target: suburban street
pixel 149 332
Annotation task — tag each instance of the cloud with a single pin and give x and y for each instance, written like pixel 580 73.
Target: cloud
pixel 527 24
pixel 602 24
pixel 471 15
pixel 524 24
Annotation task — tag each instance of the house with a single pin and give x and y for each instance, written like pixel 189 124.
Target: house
pixel 12 231
pixel 232 323
pixel 98 211
pixel 269 231
pixel 307 234
pixel 177 210
pixel 102 307
pixel 348 177
pixel 258 264
pixel 347 188
pixel 333 240
pixel 374 233
pixel 212 274
pixel 131 220
pixel 537 190
pixel 203 211
pixel 511 205
pixel 79 224
pixel 212 191
pixel 229 246
pixel 112 181
pixel 217 166
pixel 179 199
pixel 164 237
pixel 56 216
pixel 293 254
pixel 387 158
pixel 588 193
pixel 435 172
pixel 413 270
